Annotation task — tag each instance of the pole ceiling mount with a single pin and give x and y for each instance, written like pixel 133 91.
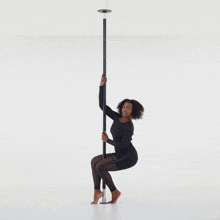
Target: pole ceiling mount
pixel 104 11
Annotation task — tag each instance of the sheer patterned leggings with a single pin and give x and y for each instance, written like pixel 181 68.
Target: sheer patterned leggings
pixel 101 167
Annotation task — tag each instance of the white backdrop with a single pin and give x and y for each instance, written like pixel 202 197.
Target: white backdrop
pixel 51 122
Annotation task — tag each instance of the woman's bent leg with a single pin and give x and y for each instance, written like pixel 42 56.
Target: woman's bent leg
pixel 95 173
pixel 102 168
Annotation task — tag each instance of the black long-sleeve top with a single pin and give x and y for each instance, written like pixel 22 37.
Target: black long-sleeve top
pixel 121 132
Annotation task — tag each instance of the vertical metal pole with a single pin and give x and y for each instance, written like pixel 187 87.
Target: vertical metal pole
pixel 104 104
pixel 104 98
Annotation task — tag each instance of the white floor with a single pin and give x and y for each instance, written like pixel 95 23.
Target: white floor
pixel 66 202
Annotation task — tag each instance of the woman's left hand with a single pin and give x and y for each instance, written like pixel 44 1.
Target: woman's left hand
pixel 104 137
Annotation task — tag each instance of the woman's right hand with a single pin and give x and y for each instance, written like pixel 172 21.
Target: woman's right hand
pixel 103 80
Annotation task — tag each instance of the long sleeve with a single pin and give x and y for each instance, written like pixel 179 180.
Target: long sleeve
pixel 126 139
pixel 109 111
pixel 111 142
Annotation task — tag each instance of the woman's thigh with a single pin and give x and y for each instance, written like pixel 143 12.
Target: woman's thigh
pixel 108 164
pixel 98 158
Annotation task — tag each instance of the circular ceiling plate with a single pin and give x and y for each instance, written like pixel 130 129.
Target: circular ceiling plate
pixel 104 11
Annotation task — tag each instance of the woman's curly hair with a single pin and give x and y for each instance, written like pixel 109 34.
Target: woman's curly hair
pixel 137 110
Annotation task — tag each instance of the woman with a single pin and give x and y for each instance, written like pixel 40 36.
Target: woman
pixel 125 155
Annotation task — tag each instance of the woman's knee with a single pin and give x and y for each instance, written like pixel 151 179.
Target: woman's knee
pixel 96 159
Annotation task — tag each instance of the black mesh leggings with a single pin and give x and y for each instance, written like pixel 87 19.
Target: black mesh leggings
pixel 101 167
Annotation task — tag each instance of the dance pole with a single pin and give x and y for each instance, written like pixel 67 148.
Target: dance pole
pixel 104 96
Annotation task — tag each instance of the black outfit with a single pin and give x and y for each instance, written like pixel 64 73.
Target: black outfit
pixel 126 155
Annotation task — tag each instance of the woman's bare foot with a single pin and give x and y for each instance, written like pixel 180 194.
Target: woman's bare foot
pixel 115 196
pixel 97 195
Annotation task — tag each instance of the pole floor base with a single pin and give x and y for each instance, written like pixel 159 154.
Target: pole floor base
pixel 104 197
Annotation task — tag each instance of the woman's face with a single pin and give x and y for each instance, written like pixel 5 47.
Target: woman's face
pixel 127 109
